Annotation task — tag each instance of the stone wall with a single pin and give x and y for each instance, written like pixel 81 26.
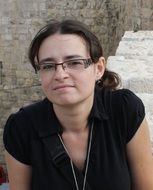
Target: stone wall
pixel 20 20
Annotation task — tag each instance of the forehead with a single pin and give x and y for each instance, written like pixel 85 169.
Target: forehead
pixel 61 45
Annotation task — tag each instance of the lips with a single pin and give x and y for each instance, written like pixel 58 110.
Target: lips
pixel 62 87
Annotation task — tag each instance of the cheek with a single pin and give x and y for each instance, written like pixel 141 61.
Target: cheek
pixel 88 81
pixel 45 83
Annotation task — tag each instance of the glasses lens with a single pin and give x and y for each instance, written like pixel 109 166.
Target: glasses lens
pixel 47 67
pixel 75 64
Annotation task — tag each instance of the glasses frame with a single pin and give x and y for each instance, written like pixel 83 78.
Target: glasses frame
pixel 87 62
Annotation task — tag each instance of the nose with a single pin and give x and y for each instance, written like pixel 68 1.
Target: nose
pixel 60 73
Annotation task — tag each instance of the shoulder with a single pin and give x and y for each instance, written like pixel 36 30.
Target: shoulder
pixel 37 107
pixel 118 99
pixel 20 118
pixel 125 109
pixel 22 115
pixel 130 110
pixel 127 101
pixel 26 118
pixel 19 131
pixel 126 95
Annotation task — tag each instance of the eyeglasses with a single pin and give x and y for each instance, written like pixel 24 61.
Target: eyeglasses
pixel 70 65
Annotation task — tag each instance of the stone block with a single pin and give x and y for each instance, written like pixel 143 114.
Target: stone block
pixel 136 74
pixel 142 35
pixel 134 48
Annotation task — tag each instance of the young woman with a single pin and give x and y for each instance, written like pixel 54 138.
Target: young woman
pixel 86 134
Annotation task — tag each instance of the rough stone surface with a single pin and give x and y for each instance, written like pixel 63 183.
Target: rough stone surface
pixel 136 72
pixel 20 20
pixel 136 44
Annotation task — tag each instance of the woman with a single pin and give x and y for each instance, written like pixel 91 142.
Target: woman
pixel 85 134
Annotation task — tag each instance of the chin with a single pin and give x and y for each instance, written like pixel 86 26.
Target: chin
pixel 69 102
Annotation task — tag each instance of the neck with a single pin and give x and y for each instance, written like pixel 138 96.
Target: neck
pixel 74 118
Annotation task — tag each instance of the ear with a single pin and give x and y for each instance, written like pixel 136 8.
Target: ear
pixel 100 68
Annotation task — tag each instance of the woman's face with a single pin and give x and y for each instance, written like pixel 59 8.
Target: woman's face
pixel 68 87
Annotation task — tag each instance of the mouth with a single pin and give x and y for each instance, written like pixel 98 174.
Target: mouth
pixel 62 87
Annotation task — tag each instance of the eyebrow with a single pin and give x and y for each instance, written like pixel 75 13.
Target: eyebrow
pixel 69 57
pixel 73 56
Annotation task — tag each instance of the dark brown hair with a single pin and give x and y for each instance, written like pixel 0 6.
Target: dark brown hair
pixel 109 79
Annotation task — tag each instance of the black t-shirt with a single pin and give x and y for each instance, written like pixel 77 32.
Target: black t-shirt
pixel 117 115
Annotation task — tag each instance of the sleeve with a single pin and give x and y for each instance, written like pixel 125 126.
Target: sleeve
pixel 16 137
pixel 131 113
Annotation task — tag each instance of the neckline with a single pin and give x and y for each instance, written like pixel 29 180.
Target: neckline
pixel 86 161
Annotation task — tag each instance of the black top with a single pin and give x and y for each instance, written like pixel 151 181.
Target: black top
pixel 117 116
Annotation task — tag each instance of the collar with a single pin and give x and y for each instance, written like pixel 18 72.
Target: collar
pixel 48 123
pixel 98 110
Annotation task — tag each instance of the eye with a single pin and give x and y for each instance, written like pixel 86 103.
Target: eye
pixel 47 67
pixel 74 63
pixel 77 62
